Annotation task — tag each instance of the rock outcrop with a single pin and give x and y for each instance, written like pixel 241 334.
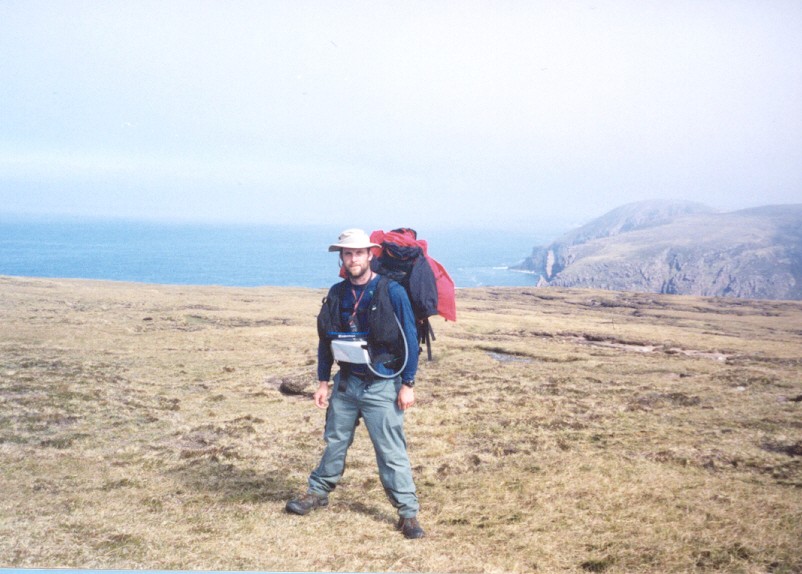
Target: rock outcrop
pixel 680 248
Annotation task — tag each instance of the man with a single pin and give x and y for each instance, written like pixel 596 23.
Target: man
pixel 366 305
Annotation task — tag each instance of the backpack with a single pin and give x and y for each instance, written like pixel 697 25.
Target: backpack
pixel 404 258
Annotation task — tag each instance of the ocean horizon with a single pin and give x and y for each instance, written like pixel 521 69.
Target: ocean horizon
pixel 237 255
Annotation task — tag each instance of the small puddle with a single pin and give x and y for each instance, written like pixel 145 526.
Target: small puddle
pixel 645 348
pixel 507 358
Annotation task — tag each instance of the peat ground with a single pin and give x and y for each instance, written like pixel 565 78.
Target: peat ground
pixel 164 427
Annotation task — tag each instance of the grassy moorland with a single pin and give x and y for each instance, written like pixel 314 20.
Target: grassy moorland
pixel 557 431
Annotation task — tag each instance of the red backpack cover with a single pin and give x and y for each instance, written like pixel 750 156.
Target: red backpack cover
pixel 407 238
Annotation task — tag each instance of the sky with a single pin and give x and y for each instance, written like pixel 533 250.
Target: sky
pixel 416 113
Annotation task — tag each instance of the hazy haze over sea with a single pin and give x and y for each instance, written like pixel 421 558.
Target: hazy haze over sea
pixel 406 113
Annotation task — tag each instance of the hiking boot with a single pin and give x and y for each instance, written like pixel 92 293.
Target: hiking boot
pixel 307 503
pixel 410 527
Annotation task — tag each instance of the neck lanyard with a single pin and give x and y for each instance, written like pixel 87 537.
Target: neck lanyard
pixel 358 300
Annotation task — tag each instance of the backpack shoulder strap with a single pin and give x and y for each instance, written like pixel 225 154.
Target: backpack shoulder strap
pixel 328 318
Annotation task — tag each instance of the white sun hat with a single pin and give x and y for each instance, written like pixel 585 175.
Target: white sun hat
pixel 353 239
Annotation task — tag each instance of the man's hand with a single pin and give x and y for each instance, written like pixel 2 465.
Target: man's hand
pixel 406 397
pixel 321 395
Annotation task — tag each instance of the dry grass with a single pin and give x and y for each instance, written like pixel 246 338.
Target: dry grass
pixel 557 431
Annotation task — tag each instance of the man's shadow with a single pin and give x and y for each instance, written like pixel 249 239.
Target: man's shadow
pixel 236 484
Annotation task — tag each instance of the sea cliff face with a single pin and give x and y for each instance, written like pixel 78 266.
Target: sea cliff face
pixel 680 248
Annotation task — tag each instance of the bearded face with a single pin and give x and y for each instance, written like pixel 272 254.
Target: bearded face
pixel 356 263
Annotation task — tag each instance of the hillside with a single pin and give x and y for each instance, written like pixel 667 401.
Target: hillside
pixel 680 248
pixel 165 427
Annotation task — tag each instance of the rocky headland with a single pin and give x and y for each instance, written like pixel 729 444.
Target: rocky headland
pixel 682 248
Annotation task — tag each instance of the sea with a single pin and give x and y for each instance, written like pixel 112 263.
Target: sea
pixel 237 254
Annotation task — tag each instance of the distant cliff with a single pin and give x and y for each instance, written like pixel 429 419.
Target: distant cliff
pixel 680 248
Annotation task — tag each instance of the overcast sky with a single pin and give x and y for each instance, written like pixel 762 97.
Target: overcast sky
pixel 397 113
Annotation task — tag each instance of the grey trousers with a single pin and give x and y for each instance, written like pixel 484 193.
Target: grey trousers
pixel 376 403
